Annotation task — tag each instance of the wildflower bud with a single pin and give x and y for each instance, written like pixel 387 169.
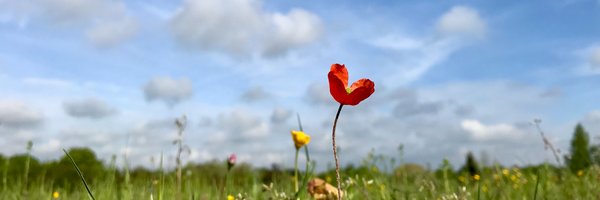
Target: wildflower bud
pixel 231 161
pixel 300 139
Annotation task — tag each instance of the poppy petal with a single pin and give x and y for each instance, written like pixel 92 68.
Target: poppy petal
pixel 340 71
pixel 362 83
pixel 360 90
pixel 337 88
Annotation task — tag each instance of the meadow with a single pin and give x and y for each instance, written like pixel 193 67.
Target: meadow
pixel 376 177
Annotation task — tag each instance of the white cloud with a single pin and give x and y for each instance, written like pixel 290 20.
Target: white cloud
pixel 171 91
pixel 205 121
pixel 106 22
pixel 151 135
pixel 68 12
pixel 255 94
pixel 138 137
pixel 593 116
pixel 409 105
pixel 482 132
pixel 319 94
pixel 14 141
pixel 92 137
pixel 241 27
pixel 295 29
pixel 245 132
pixel 591 122
pixel 589 59
pixel 495 100
pixel 280 115
pixel 406 109
pixel 102 140
pixel 594 58
pixel 15 114
pixel 462 21
pixel 89 107
pixel 242 125
pixel 49 147
pixel 112 33
pixel 152 125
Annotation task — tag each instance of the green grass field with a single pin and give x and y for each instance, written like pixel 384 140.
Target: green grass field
pixel 369 180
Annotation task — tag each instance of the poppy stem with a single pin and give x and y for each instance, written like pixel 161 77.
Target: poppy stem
pixel 337 163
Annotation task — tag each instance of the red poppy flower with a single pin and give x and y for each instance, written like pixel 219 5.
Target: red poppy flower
pixel 338 86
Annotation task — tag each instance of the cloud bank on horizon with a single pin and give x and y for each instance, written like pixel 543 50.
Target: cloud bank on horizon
pixel 451 77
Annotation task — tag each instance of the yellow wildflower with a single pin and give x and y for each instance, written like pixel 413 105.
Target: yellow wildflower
pixel 55 195
pixel 230 197
pixel 505 172
pixel 580 173
pixel 513 178
pixel 300 139
pixel 476 177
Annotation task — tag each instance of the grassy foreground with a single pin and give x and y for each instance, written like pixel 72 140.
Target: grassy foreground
pixel 367 181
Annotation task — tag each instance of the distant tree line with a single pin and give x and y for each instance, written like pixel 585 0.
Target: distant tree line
pixel 582 154
pixel 27 169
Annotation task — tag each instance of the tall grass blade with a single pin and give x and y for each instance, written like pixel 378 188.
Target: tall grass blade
pixel 27 163
pixel 307 174
pixel 478 190
pixel 80 175
pixel 537 183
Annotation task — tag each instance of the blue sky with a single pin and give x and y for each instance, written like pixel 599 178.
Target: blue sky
pixel 451 77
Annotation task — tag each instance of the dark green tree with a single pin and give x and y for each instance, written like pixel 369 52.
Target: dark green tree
pixel 595 154
pixel 63 171
pixel 471 165
pixel 16 169
pixel 580 150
